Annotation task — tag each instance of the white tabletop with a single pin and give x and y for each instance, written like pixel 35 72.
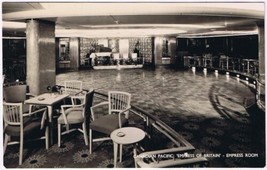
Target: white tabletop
pixel 131 135
pixel 46 99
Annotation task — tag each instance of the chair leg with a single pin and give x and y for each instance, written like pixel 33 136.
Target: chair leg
pixel 47 137
pixel 135 154
pixel 59 134
pixel 21 150
pixel 5 144
pixel 120 152
pixel 90 140
pixel 85 134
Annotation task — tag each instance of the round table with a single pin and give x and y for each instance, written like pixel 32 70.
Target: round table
pixel 124 136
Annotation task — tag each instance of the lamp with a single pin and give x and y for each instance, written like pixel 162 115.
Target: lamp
pixel 54 89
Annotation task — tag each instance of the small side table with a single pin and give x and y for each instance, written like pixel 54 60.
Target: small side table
pixel 125 136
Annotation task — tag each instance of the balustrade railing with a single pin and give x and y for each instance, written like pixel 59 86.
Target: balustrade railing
pixel 260 96
pixel 247 67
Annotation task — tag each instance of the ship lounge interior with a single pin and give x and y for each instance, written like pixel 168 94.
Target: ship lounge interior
pixel 133 85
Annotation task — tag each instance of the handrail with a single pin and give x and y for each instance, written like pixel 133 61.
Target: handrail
pixel 166 134
pixel 260 85
pixel 164 126
pixel 203 162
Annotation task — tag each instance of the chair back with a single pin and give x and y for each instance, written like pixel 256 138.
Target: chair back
pixel 116 56
pixel 88 103
pixel 223 56
pixel 73 86
pixel 15 94
pixel 13 113
pixel 134 56
pixel 208 56
pixel 118 101
pixel 125 56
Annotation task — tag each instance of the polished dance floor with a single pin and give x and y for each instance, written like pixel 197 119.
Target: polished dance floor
pixel 215 113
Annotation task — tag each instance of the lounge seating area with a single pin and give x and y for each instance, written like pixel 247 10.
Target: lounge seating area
pixel 162 145
pixel 83 113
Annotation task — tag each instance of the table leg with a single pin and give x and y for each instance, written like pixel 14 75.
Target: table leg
pixel 248 67
pixel 120 152
pixel 233 64
pixel 211 65
pixel 115 145
pixel 50 114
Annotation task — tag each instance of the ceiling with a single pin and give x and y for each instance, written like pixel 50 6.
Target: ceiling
pixel 103 20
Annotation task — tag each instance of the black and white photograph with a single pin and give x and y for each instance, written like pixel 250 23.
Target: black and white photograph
pixel 134 84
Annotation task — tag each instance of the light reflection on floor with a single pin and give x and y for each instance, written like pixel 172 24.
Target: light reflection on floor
pixel 178 92
pixel 207 109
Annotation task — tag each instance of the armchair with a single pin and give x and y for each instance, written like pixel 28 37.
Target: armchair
pixel 75 114
pixel 116 56
pixel 17 94
pixel 20 124
pixel 117 117
pixel 125 57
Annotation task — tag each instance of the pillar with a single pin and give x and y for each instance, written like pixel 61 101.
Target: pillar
pixel 172 49
pixel 261 52
pixel 158 43
pixel 152 51
pixel 74 53
pixel 40 54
